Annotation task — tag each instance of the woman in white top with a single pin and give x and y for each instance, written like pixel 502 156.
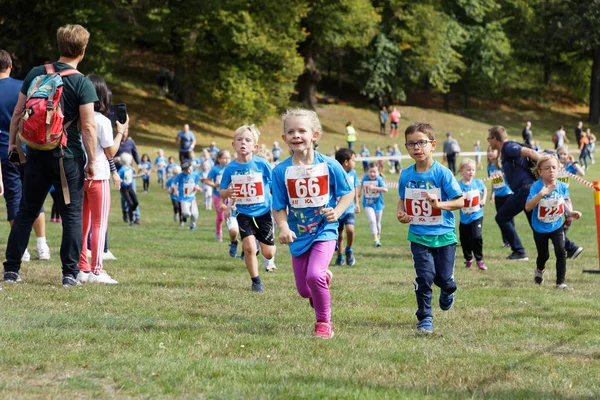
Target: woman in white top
pixel 96 199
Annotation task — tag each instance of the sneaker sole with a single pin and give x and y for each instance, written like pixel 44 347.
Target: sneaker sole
pixel 577 253
pixel 423 331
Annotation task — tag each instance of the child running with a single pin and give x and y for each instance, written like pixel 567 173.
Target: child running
pixel 548 200
pixel 207 190
pixel 247 180
pixel 214 180
pixel 471 215
pixel 172 188
pixel 307 185
pixel 187 184
pixel 127 175
pixel 568 165
pixel 373 187
pixel 161 167
pixel 170 166
pixel 428 195
pixel 144 169
pixel 500 190
pixel 346 158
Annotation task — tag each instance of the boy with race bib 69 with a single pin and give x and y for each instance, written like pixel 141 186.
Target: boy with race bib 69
pixel 428 194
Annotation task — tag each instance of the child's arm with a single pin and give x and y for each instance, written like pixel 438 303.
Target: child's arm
pixel 332 214
pixel 492 196
pixel 569 207
pixel 286 235
pixel 546 190
pixel 484 197
pixel 401 214
pixel 449 205
pixel 1 184
pixel 356 201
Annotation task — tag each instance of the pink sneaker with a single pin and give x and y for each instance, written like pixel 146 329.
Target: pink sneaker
pixel 468 263
pixel 59 220
pixel 323 330
pixel 481 265
pixel 52 219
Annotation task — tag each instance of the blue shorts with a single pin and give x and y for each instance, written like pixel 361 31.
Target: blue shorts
pixel 348 219
pixel 12 179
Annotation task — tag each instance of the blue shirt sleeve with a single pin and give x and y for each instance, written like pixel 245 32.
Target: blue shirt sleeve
pixel 280 197
pixel 226 178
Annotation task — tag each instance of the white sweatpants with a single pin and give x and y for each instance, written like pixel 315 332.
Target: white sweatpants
pixel 374 218
pixel 189 209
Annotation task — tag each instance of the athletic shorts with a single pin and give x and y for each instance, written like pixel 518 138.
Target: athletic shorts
pixel 259 227
pixel 393 124
pixel 349 219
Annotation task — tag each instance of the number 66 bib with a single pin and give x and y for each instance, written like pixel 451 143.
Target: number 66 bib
pixel 308 186
pixel 417 206
pixel 550 210
pixel 250 188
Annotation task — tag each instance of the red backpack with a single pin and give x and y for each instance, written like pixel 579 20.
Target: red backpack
pixel 42 122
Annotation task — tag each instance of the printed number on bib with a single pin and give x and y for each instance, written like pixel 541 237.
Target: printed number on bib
pixel 369 192
pixel 564 178
pixel 550 210
pixel 250 188
pixel 471 202
pixel 188 189
pixel 498 182
pixel 417 206
pixel 308 186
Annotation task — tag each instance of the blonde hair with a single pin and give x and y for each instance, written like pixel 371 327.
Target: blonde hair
pixel 466 162
pixel 160 152
pixel 176 170
pixel 253 130
pixel 126 159
pixel 313 118
pixel 72 40
pixel 543 159
pixel 265 153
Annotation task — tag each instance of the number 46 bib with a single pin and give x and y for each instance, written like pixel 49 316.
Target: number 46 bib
pixel 250 188
pixel 417 206
pixel 308 186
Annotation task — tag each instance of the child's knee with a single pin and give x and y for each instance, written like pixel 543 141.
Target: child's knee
pixel 267 251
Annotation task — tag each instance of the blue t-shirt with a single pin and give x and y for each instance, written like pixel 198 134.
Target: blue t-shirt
pixel 353 181
pixel 187 138
pixel 161 163
pixel 473 193
pixel 304 190
pixel 379 153
pixel 216 173
pixel 547 214
pixel 9 94
pixel 499 185
pixel 371 199
pixel 171 185
pixel 276 153
pixel 254 182
pixel 126 174
pixel 412 187
pixel 365 153
pixel 169 168
pixel 186 185
pixel 145 166
pixel 516 168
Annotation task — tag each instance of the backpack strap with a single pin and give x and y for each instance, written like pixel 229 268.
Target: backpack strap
pixel 49 69
pixel 69 72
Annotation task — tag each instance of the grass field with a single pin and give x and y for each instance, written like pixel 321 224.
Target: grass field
pixel 183 323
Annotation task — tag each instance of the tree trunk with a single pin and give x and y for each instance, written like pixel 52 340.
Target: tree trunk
pixel 307 82
pixel 595 89
pixel 466 94
pixel 447 102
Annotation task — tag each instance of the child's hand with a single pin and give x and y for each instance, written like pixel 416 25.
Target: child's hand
pixel 330 214
pixel 286 236
pixel 492 200
pixel 432 200
pixel 223 206
pixel 546 190
pixel 116 180
pixel 576 214
pixel 357 208
pixel 403 217
pixel 482 203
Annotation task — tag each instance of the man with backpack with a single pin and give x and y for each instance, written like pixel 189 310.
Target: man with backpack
pixel 517 162
pixel 55 149
pixel 451 150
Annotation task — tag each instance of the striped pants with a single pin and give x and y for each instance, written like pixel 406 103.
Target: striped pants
pixel 96 207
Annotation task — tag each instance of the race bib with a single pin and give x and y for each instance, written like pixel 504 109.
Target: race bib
pixel 550 210
pixel 188 189
pixel 250 188
pixel 128 176
pixel 498 182
pixel 419 209
pixel 471 202
pixel 369 192
pixel 308 186
pixel 564 178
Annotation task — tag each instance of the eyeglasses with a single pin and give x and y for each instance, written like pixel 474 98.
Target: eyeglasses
pixel 549 168
pixel 490 138
pixel 419 144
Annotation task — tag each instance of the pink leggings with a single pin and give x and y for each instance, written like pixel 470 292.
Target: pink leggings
pixel 220 214
pixel 96 206
pixel 309 271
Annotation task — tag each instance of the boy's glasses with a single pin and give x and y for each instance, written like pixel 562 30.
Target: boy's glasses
pixel 419 144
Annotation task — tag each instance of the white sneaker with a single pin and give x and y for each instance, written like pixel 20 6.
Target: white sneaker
pixel 83 276
pixel 108 256
pixel 44 252
pixel 269 265
pixel 26 256
pixel 89 253
pixel 102 277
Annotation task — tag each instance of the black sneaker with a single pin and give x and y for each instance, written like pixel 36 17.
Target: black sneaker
pixel 125 218
pixel 137 221
pixel 11 277
pixel 69 281
pixel 575 253
pixel 518 257
pixel 257 287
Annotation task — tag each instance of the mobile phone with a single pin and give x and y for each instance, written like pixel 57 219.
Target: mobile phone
pixel 13 157
pixel 121 111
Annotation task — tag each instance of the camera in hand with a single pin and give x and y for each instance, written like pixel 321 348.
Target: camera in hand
pixel 118 112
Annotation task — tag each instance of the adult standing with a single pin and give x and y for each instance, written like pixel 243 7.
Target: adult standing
pixel 451 150
pixel 43 167
pixel 560 137
pixel 128 146
pixel 382 120
pixel 527 135
pixel 186 141
pixel 394 121
pixel 578 131
pixel 12 177
pixel 519 177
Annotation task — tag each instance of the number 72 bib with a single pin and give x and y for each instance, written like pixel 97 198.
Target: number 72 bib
pixel 250 188
pixel 417 206
pixel 307 185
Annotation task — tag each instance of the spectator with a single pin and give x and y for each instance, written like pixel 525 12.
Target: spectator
pixel 518 175
pixel 382 120
pixel 350 135
pixel 43 167
pixel 451 150
pixel 527 135
pixel 186 141
pixel 394 121
pixel 12 176
pixel 578 131
pixel 560 137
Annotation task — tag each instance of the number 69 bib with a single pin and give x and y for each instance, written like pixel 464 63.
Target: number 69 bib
pixel 250 188
pixel 308 186
pixel 550 210
pixel 417 206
